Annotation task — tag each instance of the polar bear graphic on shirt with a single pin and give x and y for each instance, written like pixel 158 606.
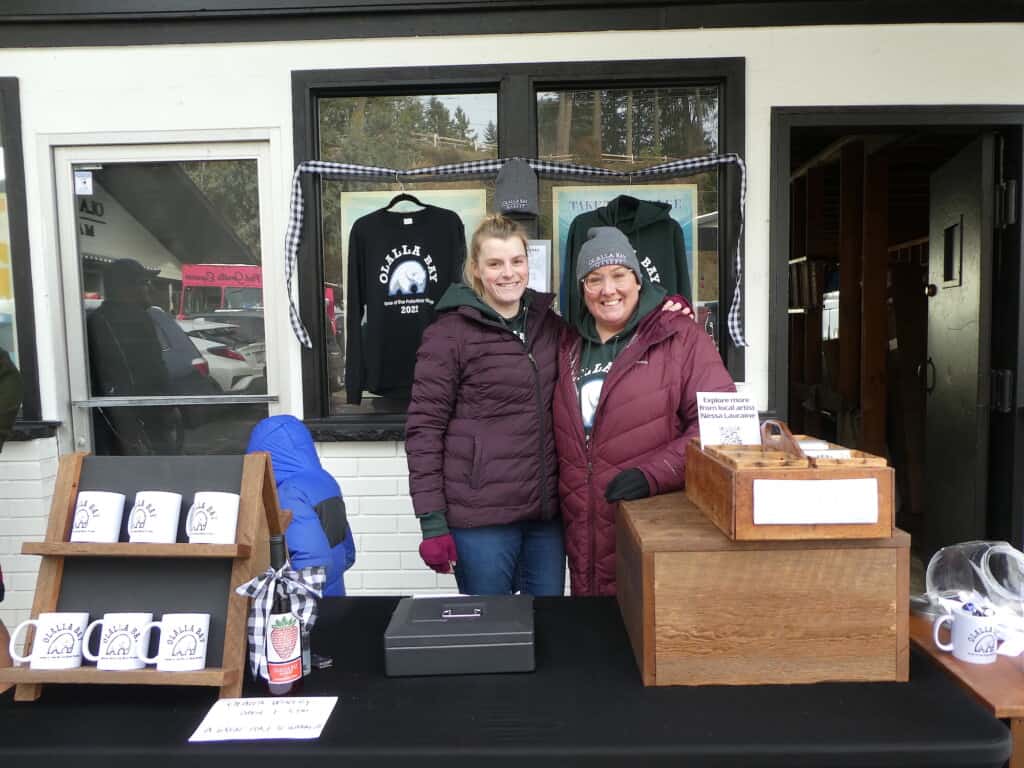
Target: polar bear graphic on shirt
pixel 409 277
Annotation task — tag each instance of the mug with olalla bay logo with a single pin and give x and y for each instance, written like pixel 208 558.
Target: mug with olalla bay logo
pixel 183 639
pixel 98 516
pixel 58 641
pixel 122 641
pixel 212 518
pixel 973 639
pixel 154 517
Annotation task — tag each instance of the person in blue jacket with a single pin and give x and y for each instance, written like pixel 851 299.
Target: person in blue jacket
pixel 319 532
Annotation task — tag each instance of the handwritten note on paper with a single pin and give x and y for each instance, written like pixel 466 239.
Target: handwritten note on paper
pixel 265 718
pixel 727 418
pixel 813 502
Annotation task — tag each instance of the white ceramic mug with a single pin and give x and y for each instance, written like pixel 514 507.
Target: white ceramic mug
pixel 183 639
pixel 212 518
pixel 154 517
pixel 98 516
pixel 58 641
pixel 974 639
pixel 122 641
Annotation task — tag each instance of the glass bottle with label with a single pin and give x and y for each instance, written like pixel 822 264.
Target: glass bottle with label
pixel 284 646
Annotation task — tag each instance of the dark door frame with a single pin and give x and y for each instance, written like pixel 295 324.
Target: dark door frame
pixel 1006 463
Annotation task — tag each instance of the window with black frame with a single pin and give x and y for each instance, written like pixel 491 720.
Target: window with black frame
pixel 372 328
pixel 623 116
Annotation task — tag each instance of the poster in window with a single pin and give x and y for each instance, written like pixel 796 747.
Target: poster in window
pixel 469 204
pixel 570 201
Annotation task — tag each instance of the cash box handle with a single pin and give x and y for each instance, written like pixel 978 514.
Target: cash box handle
pixel 451 613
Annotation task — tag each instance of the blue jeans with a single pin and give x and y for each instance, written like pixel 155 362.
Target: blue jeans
pixel 527 557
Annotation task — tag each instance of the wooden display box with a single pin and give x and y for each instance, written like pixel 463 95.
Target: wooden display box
pixel 720 481
pixel 701 609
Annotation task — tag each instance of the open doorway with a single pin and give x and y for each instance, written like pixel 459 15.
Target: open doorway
pixel 900 293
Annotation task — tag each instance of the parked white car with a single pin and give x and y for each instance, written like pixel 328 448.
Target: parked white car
pixel 236 365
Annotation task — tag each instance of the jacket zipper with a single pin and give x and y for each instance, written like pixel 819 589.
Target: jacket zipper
pixel 540 432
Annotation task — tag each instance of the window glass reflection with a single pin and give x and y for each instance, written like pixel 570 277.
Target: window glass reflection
pixel 170 261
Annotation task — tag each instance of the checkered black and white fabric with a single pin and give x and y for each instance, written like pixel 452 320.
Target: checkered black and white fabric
pixel 302 587
pixel 548 169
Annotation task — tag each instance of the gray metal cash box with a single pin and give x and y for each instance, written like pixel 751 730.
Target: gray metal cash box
pixel 460 635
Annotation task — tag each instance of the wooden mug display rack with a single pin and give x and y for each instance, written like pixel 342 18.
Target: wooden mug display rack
pixel 157 578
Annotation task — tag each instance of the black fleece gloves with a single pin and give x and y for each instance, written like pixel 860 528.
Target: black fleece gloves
pixel 628 484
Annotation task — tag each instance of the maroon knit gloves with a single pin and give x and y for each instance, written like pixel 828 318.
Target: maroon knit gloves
pixel 439 553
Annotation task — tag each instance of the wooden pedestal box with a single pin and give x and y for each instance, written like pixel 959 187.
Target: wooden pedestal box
pixel 722 482
pixel 701 609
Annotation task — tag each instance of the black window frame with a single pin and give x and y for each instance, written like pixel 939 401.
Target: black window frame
pixel 30 423
pixel 515 85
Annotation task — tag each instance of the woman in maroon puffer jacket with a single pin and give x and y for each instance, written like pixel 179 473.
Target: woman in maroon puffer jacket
pixel 625 404
pixel 482 468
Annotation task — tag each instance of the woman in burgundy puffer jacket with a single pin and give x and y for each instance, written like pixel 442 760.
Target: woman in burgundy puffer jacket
pixel 625 404
pixel 479 440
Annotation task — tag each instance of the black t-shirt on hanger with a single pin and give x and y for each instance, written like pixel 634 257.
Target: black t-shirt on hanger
pixel 399 265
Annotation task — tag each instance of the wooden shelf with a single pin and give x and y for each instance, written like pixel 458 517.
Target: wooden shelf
pixel 128 549
pixel 211 676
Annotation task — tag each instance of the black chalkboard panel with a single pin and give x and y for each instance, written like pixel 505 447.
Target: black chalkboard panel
pixel 180 474
pixel 108 584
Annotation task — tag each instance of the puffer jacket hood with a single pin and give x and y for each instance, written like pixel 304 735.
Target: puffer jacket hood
pixel 289 444
pixel 318 534
pixel 461 295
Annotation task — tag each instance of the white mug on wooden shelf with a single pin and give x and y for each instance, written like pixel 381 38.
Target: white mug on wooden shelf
pixel 154 517
pixel 98 516
pixel 183 639
pixel 212 518
pixel 973 639
pixel 58 640
pixel 122 642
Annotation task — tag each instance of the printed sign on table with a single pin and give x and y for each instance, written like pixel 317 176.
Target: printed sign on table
pixel 727 418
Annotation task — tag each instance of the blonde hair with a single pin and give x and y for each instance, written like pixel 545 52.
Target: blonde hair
pixel 499 227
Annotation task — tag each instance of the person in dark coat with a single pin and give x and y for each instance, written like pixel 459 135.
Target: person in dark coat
pixel 319 533
pixel 625 405
pixel 482 467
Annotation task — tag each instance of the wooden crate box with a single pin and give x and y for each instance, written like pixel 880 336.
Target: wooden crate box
pixel 720 481
pixel 701 609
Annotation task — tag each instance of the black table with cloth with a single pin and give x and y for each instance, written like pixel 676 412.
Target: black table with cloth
pixel 584 705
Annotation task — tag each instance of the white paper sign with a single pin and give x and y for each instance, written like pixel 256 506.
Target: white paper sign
pixel 539 257
pixel 727 418
pixel 265 718
pixel 83 183
pixel 813 502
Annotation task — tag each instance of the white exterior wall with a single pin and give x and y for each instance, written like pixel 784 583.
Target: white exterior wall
pixel 243 91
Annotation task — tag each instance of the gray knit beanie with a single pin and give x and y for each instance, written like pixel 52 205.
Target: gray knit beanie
pixel 606 246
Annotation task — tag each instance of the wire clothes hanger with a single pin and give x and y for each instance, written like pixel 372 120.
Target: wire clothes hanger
pixel 403 197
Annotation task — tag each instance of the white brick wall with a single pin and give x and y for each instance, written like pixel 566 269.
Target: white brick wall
pixel 374 479
pixel 27 474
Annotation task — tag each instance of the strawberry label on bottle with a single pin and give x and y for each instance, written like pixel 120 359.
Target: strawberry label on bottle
pixel 284 652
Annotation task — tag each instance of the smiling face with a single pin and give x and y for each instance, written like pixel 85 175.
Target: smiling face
pixel 611 294
pixel 503 272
